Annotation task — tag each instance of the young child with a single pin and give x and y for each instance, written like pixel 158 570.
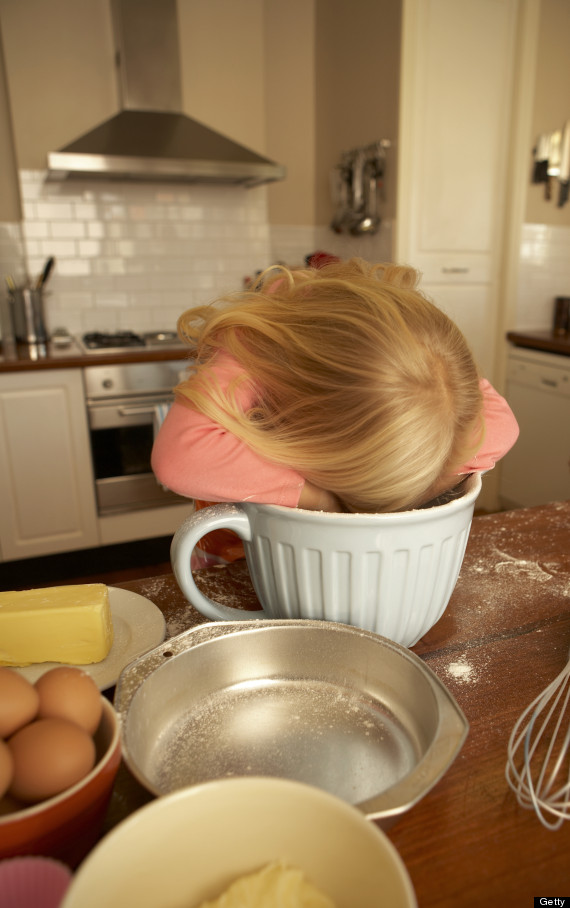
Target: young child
pixel 341 388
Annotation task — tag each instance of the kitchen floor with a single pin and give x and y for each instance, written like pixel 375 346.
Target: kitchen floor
pixel 108 564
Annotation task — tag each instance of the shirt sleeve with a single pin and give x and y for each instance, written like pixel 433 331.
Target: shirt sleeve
pixel 501 431
pixel 196 457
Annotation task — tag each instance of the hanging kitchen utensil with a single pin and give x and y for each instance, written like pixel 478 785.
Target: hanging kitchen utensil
pixel 43 277
pixel 541 152
pixel 564 173
pixel 356 182
pixel 553 169
pixel 357 187
pixel 341 181
pixel 369 221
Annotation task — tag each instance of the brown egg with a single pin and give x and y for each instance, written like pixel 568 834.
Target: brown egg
pixel 6 768
pixel 19 701
pixel 49 756
pixel 70 693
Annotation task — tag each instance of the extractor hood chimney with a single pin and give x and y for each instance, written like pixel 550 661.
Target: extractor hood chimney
pixel 150 139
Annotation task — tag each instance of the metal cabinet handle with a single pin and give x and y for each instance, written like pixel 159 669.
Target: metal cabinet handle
pixel 457 270
pixel 136 411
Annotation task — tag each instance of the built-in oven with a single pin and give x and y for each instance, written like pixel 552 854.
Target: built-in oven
pixel 125 405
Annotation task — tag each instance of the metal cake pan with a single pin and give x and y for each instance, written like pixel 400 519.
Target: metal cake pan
pixel 323 703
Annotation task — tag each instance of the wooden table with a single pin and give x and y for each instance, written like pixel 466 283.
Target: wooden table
pixel 504 636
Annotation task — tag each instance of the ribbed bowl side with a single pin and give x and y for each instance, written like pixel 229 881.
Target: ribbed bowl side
pixel 392 574
pixel 399 591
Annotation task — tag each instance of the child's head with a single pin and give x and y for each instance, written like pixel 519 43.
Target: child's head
pixel 365 387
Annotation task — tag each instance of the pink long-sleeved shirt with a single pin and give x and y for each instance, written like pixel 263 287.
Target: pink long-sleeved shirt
pixel 197 458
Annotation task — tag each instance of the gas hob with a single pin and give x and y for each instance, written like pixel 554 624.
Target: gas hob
pixel 119 341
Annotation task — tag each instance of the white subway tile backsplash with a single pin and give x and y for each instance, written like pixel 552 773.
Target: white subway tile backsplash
pixel 544 273
pixel 54 211
pixel 34 248
pixel 60 249
pixel 137 255
pixel 115 230
pixel 72 268
pixel 112 301
pixel 35 229
pixel 73 300
pixel 89 248
pixel 85 211
pixel 67 229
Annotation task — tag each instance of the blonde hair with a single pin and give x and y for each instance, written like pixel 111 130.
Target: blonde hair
pixel 361 384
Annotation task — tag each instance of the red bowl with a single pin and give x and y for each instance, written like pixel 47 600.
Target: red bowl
pixel 67 826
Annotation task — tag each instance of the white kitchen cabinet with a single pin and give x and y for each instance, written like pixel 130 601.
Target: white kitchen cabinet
pixel 46 479
pixel 457 70
pixel 537 469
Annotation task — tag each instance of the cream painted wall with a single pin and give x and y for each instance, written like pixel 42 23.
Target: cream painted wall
pixel 59 62
pixel 551 102
pixel 290 111
pixel 247 69
pixel 299 81
pixel 9 198
pixel 357 87
pixel 62 80
pixel 222 62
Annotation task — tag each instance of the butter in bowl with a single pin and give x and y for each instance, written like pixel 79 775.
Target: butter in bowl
pixel 190 847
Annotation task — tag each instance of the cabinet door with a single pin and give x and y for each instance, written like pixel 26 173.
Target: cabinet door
pixel 473 308
pixel 46 478
pixel 456 90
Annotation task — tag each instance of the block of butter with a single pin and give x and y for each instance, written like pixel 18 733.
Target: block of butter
pixel 70 624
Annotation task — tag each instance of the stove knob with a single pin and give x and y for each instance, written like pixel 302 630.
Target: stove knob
pixel 108 383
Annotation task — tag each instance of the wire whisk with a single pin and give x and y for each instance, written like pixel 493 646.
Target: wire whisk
pixel 538 755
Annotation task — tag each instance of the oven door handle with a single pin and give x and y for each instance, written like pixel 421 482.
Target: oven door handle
pixel 135 411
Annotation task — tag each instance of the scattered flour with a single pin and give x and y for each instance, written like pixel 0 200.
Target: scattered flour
pixel 153 586
pixel 462 670
pixel 184 619
pixel 515 565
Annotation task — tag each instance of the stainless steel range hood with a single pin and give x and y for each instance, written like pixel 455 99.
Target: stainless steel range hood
pixel 150 138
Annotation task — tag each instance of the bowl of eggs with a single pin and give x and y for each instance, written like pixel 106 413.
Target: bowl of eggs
pixel 59 754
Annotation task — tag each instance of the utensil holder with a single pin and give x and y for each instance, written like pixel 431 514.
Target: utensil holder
pixel 27 315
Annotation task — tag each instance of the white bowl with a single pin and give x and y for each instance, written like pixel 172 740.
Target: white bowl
pixel 191 845
pixel 392 574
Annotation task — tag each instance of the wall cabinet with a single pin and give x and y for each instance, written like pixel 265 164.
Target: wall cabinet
pixel 456 100
pixel 46 479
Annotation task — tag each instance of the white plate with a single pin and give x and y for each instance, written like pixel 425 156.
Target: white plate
pixel 138 626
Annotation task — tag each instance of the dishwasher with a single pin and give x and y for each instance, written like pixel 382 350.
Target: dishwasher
pixel 537 469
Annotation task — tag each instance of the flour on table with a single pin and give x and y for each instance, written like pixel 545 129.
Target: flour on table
pixel 182 621
pixel 521 565
pixel 154 585
pixel 462 670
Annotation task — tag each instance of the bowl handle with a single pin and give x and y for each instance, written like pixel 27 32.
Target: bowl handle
pixel 216 517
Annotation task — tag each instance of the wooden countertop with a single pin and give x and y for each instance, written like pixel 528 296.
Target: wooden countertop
pixel 28 358
pixel 504 636
pixel 541 340
pixel 25 358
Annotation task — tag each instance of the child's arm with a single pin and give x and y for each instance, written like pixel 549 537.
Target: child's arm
pixel 315 499
pixel 197 458
pixel 501 431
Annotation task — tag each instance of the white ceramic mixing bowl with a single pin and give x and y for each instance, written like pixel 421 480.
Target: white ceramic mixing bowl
pixel 392 574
